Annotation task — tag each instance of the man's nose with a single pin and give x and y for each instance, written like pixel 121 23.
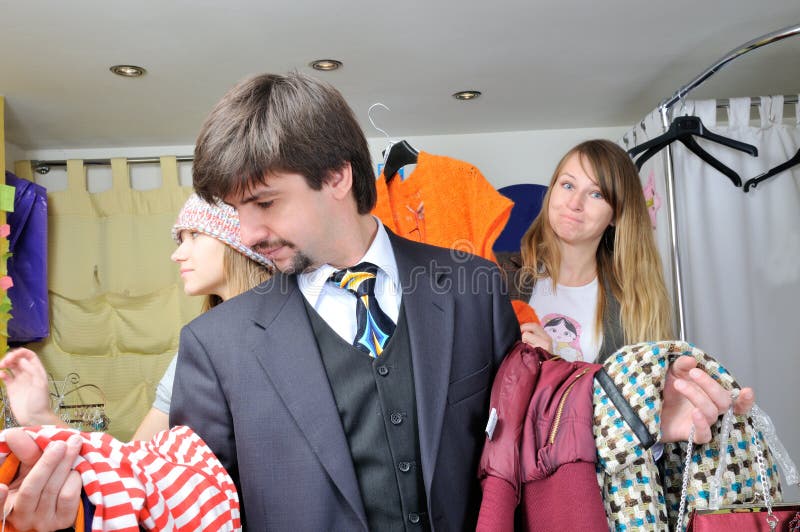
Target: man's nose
pixel 247 236
pixel 251 232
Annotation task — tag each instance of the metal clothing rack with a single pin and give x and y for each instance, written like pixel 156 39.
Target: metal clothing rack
pixel 664 111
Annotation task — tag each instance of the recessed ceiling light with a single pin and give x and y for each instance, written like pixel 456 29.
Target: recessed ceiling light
pixel 466 95
pixel 325 64
pixel 128 71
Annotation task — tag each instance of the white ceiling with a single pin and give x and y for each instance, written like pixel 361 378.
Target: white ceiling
pixel 540 64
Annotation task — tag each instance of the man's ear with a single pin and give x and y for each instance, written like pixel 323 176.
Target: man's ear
pixel 340 181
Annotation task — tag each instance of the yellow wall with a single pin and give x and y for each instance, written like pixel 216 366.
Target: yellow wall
pixel 3 339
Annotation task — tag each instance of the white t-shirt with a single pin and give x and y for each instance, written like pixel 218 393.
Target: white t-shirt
pixel 568 316
pixel 337 306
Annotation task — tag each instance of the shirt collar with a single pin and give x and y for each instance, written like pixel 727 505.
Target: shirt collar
pixel 379 253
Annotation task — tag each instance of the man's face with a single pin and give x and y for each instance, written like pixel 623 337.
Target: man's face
pixel 286 221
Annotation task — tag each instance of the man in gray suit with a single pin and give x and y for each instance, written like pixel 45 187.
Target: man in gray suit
pixel 317 432
pixel 331 409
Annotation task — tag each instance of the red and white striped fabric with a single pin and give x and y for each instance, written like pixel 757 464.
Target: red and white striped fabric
pixel 172 482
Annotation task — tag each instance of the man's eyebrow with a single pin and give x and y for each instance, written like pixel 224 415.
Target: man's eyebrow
pixel 257 196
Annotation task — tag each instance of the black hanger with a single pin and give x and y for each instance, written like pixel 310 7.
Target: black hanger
pixel 684 129
pixel 400 154
pixel 753 182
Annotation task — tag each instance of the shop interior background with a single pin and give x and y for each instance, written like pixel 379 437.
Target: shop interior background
pixel 551 74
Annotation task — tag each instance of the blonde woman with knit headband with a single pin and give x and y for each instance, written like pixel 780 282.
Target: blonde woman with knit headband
pixel 213 262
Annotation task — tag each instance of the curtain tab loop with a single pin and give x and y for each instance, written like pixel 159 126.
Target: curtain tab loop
pixel 771 110
pixel 739 112
pixel 169 172
pixel 765 111
pixel 24 169
pixel 706 110
pixel 797 111
pixel 120 178
pixel 76 175
pixel 777 109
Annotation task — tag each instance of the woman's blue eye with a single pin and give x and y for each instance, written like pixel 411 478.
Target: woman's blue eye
pixel 597 195
pixel 567 186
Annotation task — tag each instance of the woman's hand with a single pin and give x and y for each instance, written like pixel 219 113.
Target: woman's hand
pixel 26 383
pixel 534 335
pixel 693 397
pixel 47 491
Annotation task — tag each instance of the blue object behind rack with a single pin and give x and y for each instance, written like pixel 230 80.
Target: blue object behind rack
pixel 527 200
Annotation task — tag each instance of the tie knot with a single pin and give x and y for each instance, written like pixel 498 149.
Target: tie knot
pixel 359 279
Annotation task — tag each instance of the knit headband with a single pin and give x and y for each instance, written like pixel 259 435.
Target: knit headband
pixel 217 220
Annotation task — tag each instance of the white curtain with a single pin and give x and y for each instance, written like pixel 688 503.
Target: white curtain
pixel 740 253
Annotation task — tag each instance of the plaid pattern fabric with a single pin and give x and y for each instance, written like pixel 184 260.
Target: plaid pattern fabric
pixel 172 482
pixel 627 473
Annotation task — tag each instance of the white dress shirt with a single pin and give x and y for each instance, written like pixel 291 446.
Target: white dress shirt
pixel 337 306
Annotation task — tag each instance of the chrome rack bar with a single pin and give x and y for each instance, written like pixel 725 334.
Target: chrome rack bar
pixel 769 38
pixel 664 107
pixel 43 167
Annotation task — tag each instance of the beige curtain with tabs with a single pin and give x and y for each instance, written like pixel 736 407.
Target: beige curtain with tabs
pixel 116 299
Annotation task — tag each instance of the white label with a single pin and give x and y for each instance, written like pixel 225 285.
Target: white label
pixel 492 423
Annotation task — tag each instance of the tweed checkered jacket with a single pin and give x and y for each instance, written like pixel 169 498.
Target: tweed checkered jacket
pixel 627 473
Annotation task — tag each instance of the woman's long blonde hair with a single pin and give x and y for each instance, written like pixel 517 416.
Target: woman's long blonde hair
pixel 241 274
pixel 627 258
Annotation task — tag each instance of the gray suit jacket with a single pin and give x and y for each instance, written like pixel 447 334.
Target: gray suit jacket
pixel 251 383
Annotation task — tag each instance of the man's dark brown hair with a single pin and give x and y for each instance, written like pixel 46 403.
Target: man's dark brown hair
pixel 271 123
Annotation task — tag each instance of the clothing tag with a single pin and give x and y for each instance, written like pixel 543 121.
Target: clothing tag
pixel 492 423
pixel 657 450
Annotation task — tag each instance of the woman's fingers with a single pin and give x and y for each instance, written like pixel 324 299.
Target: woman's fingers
pixel 534 335
pixel 745 401
pixel 48 490
pixel 698 398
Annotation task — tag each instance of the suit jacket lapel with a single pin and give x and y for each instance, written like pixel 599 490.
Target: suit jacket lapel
pixel 429 311
pixel 294 367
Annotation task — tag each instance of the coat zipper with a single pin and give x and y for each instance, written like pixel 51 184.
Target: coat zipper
pixel 560 410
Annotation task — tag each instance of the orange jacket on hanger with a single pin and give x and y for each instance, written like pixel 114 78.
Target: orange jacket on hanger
pixel 444 202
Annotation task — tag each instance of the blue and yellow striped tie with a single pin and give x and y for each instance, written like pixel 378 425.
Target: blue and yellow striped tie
pixel 374 326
